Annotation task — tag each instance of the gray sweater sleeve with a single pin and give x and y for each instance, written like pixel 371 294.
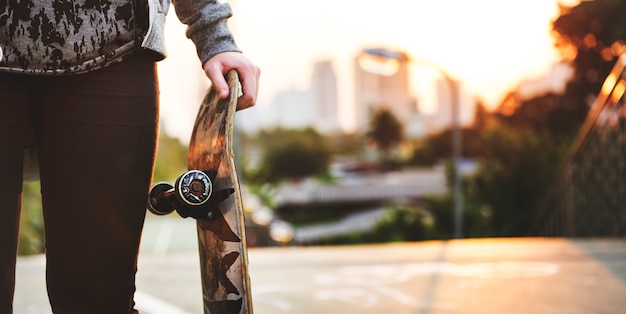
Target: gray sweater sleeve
pixel 206 26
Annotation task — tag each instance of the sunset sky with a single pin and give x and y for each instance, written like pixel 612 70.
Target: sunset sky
pixel 490 45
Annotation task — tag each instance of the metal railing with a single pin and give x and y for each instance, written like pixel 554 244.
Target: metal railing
pixel 588 198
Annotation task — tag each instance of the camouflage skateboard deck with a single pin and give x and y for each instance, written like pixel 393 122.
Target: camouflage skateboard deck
pixel 209 192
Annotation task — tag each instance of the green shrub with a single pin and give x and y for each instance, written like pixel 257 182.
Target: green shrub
pixel 31 236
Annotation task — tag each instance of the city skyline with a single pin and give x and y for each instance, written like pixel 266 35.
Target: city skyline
pixel 481 43
pixel 316 105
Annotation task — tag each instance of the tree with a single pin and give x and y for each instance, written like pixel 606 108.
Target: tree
pixel 292 154
pixel 523 150
pixel 590 35
pixel 385 130
pixel 438 146
pixel 517 168
pixel 549 113
pixel 481 116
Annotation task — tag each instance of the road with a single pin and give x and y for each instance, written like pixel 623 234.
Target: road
pixel 525 275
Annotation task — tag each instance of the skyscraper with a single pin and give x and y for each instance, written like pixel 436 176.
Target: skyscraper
pixel 382 81
pixel 442 118
pixel 324 97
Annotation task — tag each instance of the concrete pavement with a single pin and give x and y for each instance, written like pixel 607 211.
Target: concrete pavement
pixel 526 275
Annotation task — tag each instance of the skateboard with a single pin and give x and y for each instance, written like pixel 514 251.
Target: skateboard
pixel 209 192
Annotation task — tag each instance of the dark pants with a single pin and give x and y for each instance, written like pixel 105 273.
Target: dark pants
pixel 96 135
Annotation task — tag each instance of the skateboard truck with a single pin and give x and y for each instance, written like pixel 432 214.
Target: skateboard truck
pixel 191 196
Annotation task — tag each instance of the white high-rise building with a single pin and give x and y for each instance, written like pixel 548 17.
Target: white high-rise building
pixel 442 118
pixel 316 106
pixel 292 110
pixel 382 83
pixel 324 97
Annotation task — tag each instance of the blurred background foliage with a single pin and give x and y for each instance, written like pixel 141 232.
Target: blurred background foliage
pixel 171 159
pixel 31 225
pixel 287 154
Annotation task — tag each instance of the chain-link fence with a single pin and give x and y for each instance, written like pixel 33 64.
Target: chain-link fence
pixel 588 199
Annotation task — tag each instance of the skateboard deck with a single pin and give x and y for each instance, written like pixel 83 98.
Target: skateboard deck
pixel 209 192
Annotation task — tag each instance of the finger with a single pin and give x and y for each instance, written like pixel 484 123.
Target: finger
pixel 219 82
pixel 249 79
pixel 244 102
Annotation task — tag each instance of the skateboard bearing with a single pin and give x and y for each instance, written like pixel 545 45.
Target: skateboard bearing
pixel 194 187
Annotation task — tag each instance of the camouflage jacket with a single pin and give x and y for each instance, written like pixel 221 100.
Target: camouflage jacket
pixel 76 36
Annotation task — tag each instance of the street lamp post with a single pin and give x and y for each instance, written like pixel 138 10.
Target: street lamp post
pixel 456 154
pixel 381 55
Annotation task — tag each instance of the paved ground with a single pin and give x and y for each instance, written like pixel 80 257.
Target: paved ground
pixel 466 276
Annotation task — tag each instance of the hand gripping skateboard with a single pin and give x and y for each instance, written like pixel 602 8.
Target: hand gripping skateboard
pixel 209 192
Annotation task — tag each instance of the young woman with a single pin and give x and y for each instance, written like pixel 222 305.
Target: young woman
pixel 80 75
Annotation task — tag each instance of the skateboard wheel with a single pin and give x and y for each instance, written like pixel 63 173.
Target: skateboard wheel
pixel 194 188
pixel 157 201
